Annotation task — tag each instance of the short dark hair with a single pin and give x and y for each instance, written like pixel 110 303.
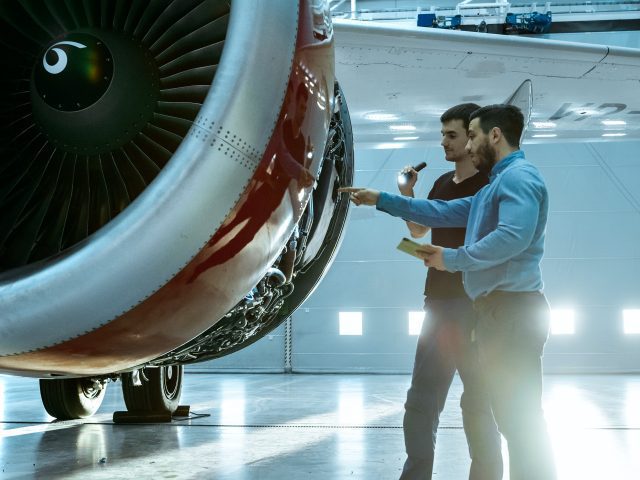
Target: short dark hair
pixel 508 118
pixel 460 112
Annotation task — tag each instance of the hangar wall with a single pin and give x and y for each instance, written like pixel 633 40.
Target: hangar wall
pixel 591 262
pixel 591 265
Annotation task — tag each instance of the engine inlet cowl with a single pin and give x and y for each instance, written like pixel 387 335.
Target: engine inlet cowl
pixel 94 235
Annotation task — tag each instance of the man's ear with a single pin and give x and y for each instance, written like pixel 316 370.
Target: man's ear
pixel 495 134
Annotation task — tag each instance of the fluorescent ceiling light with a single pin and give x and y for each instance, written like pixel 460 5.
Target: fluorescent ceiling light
pixel 613 123
pixel 544 135
pixel 350 323
pixel 415 322
pixel 380 116
pixel 406 138
pixel 563 321
pixel 613 134
pixel 403 128
pixel 543 125
pixel 389 145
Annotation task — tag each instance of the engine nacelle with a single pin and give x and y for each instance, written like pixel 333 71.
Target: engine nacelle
pixel 156 161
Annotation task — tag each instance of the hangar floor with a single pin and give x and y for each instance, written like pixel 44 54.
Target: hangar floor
pixel 319 427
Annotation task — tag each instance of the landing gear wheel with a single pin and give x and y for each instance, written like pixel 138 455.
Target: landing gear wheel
pixel 71 398
pixel 159 392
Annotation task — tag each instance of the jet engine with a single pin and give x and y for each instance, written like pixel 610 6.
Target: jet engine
pixel 168 186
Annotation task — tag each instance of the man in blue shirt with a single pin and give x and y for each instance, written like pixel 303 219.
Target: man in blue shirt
pixel 500 264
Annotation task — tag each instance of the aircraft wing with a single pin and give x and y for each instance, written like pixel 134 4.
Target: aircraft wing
pixel 398 80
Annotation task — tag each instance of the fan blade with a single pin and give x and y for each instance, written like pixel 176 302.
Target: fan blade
pixel 99 208
pixel 133 181
pixel 50 239
pixel 120 15
pixel 17 169
pixel 193 94
pixel 135 14
pixel 91 12
pixel 16 197
pixel 117 190
pixel 74 12
pixel 144 163
pixel 168 140
pixel 151 14
pixel 196 76
pixel 202 57
pixel 172 12
pixel 172 124
pixel 188 111
pixel 204 25
pixel 58 13
pixel 42 17
pixel 210 35
pixel 77 224
pixel 23 238
pixel 20 20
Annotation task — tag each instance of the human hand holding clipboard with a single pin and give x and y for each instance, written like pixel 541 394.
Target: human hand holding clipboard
pixel 430 254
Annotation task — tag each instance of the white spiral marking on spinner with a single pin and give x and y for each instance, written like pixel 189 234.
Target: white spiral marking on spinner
pixel 61 64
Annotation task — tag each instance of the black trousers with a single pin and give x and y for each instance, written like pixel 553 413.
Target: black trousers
pixel 511 331
pixel 445 346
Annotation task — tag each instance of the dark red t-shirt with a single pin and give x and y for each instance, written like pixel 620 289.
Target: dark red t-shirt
pixel 445 284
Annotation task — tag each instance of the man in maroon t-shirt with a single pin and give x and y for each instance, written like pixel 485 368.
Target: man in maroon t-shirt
pixel 445 343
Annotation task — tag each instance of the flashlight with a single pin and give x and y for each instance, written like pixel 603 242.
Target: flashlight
pixel 405 177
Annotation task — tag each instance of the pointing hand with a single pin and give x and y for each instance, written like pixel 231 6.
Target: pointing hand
pixel 361 196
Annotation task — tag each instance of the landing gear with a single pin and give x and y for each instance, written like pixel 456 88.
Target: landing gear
pixel 153 389
pixel 152 393
pixel 71 398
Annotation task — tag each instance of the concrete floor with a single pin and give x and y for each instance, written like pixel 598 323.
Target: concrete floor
pixel 317 427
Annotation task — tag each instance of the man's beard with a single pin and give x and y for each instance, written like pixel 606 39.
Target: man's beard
pixel 485 158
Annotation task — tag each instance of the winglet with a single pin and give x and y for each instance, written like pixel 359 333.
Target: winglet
pixel 523 99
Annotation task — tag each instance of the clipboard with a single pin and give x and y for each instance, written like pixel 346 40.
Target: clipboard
pixel 407 245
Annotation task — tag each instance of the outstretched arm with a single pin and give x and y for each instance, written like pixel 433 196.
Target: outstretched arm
pixel 361 196
pixel 435 213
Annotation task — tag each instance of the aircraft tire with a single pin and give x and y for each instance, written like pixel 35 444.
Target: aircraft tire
pixel 161 393
pixel 71 398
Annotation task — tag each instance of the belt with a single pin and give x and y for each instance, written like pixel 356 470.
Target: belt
pixel 503 294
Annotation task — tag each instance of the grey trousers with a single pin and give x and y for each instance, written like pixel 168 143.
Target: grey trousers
pixel 511 331
pixel 445 346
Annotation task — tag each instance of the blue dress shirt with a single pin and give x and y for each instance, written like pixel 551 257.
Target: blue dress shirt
pixel 505 223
